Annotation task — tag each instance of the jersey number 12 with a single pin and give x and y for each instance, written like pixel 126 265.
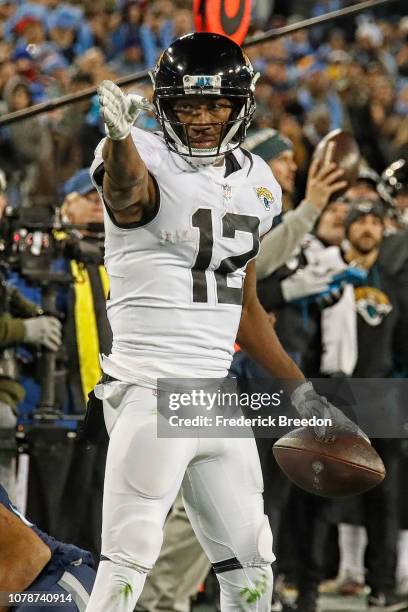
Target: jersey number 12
pixel 231 223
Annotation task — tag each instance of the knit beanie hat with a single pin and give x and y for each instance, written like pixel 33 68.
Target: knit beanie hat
pixel 267 143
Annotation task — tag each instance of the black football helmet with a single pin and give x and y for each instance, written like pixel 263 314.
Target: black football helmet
pixel 204 64
pixel 394 180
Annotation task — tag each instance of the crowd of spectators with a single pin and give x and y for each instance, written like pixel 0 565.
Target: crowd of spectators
pixel 351 74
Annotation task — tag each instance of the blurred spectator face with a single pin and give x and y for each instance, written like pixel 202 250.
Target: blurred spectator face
pixel 337 41
pixel 80 210
pixel 376 71
pixel 389 31
pixel 26 67
pixel 23 65
pixel 383 92
pixel 133 53
pixel 362 190
pixel 319 118
pixel 154 18
pixel 290 127
pixel 63 37
pixel 20 98
pixel 263 91
pixel 7 9
pixel 275 50
pixel 300 37
pixel 356 73
pixel 97 23
pixel 134 13
pixel 276 72
pixel 330 227
pixel 366 233
pixel 318 83
pixel 166 8
pixel 284 169
pixel 34 33
pixel 91 62
pixel 182 22
pixel 5 51
pixel 7 71
pixel 61 75
pixel 112 21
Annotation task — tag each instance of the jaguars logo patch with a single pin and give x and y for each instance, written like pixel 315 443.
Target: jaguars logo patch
pixel 372 304
pixel 265 196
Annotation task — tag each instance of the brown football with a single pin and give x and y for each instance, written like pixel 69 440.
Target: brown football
pixel 348 465
pixel 346 155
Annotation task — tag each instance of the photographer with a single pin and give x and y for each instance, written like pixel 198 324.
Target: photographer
pixel 21 322
pixel 87 332
pixel 77 254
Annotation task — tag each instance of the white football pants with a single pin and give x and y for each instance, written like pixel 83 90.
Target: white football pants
pixel 222 488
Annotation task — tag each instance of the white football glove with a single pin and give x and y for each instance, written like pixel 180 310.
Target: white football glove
pixel 119 110
pixel 45 331
pixel 308 403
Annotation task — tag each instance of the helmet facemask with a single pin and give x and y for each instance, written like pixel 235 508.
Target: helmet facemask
pixel 232 132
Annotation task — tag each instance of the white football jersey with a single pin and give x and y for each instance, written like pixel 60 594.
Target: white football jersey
pixel 176 280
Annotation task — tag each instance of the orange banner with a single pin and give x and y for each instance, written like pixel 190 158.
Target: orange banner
pixel 228 17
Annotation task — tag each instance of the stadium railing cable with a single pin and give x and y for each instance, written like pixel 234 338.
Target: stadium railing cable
pixel 51 105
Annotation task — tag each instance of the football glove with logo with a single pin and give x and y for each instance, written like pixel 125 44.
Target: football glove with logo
pixel 119 110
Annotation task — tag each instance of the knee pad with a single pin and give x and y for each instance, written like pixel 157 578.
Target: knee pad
pixel 258 554
pixel 137 544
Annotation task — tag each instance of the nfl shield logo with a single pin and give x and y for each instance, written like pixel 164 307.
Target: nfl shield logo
pixel 226 192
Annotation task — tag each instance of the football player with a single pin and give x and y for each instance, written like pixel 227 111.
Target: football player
pixel 184 213
pixel 37 570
